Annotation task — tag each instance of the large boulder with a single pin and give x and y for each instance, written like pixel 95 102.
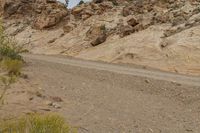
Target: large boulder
pixel 97 34
pixel 82 12
pixel 99 40
pixel 76 11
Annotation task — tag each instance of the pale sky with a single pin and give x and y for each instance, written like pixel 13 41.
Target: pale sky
pixel 72 3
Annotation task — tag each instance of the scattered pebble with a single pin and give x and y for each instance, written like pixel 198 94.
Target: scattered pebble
pixel 38 94
pixel 53 104
pixel 147 81
pixel 49 103
pixel 31 98
pixel 56 105
pixel 63 88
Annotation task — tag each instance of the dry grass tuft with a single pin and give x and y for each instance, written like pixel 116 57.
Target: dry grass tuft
pixel 36 124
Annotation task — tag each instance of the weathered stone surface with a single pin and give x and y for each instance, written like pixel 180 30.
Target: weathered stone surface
pixel 127 10
pixel 42 13
pixel 126 30
pixel 85 11
pixel 95 31
pixel 68 28
pixel 97 34
pixel 47 21
pixel 100 39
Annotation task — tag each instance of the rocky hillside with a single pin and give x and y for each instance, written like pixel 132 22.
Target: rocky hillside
pixel 163 34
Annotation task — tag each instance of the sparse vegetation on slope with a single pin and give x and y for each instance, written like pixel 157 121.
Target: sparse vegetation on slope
pixel 10 58
pixel 36 124
pixel 8 47
pixel 13 67
pixel 11 62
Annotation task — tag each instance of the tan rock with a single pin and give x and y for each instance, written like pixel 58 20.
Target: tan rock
pixel 126 11
pixel 97 34
pixel 68 28
pixel 100 39
pixel 77 10
pixel 95 31
pixel 126 30
pixel 132 22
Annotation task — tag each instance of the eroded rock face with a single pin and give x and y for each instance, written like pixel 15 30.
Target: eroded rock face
pixel 85 11
pixel 41 13
pixel 11 7
pixel 49 18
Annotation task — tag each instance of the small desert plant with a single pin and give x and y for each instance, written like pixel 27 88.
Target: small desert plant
pixel 36 124
pixel 11 61
pixel 12 66
pixel 8 47
pixel 10 58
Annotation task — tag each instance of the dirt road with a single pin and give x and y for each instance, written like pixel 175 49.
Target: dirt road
pixel 104 98
pixel 160 75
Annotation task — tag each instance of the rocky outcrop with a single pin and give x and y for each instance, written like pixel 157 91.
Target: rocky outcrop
pixel 49 18
pixel 85 11
pixel 40 13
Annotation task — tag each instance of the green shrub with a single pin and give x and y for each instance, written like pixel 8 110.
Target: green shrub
pixel 36 124
pixel 8 47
